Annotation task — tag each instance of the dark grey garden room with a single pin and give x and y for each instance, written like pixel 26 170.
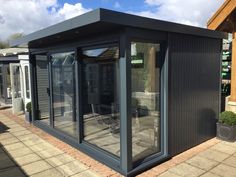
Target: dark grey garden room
pixel 129 91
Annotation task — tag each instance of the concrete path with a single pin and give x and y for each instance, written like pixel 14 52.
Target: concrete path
pixel 218 160
pixel 23 153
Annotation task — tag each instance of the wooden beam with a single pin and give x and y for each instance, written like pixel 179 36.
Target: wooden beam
pixel 221 15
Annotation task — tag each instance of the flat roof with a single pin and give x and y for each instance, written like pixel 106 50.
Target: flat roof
pixel 103 18
pixel 13 51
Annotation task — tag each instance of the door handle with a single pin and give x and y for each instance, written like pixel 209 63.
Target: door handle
pixel 48 91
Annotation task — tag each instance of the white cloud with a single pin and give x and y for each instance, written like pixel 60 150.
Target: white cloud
pixel 69 10
pixel 190 12
pixel 117 5
pixel 26 16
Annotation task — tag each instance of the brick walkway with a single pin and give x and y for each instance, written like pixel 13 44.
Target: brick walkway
pixel 28 151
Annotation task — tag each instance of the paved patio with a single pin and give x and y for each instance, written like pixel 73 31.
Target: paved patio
pixel 28 151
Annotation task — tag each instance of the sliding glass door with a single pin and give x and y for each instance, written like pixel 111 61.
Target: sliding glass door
pixel 55 78
pixel 63 92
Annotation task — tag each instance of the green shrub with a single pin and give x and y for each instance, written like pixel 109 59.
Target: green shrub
pixel 28 107
pixel 228 118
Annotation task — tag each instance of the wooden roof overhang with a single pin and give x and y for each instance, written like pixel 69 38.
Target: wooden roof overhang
pixel 225 18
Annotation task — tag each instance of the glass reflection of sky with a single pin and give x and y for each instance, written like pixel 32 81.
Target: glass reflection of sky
pixel 58 58
pixel 94 52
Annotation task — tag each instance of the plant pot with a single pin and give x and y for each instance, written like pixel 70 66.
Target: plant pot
pixel 226 132
pixel 28 117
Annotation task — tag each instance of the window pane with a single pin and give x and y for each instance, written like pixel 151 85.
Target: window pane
pixel 63 88
pixel 16 81
pixel 101 98
pixel 145 99
pixel 27 82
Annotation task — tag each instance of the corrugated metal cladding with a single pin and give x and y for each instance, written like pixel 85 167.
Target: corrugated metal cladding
pixel 194 67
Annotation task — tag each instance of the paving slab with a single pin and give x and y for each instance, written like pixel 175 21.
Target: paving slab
pixel 36 167
pixel 224 170
pixel 23 132
pixel 32 142
pixel 42 146
pixel 49 173
pixel 31 137
pixel 214 155
pixel 169 174
pixel 202 162
pixel 185 169
pixel 12 172
pixel 29 158
pixel 72 168
pixel 13 126
pixel 9 141
pixel 89 173
pixel 45 154
pixel 8 122
pixel 14 146
pixel 224 148
pixel 60 160
pixel 5 136
pixel 39 158
pixel 16 129
pixel 231 161
pixel 208 174
pixel 20 152
pixel 233 144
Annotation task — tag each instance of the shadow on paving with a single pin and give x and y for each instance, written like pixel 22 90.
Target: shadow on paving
pixel 8 167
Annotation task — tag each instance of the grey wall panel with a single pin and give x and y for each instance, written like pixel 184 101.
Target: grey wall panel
pixel 193 90
pixel 42 85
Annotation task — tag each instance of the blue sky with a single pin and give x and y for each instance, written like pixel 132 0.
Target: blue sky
pixel 125 5
pixel 43 13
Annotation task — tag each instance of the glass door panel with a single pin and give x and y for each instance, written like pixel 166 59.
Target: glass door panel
pixel 145 85
pixel 8 82
pixel 100 98
pixel 15 72
pixel 63 92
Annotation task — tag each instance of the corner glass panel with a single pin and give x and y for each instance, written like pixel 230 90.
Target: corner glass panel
pixel 145 84
pixel 100 98
pixel 63 92
pixel 42 80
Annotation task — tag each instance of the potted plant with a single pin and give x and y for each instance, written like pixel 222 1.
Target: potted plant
pixel 226 126
pixel 28 117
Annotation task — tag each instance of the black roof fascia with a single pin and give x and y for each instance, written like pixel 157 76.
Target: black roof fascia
pixel 117 18
pixel 154 24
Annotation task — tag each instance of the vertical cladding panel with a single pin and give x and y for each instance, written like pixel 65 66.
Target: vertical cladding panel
pixel 42 85
pixel 193 90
